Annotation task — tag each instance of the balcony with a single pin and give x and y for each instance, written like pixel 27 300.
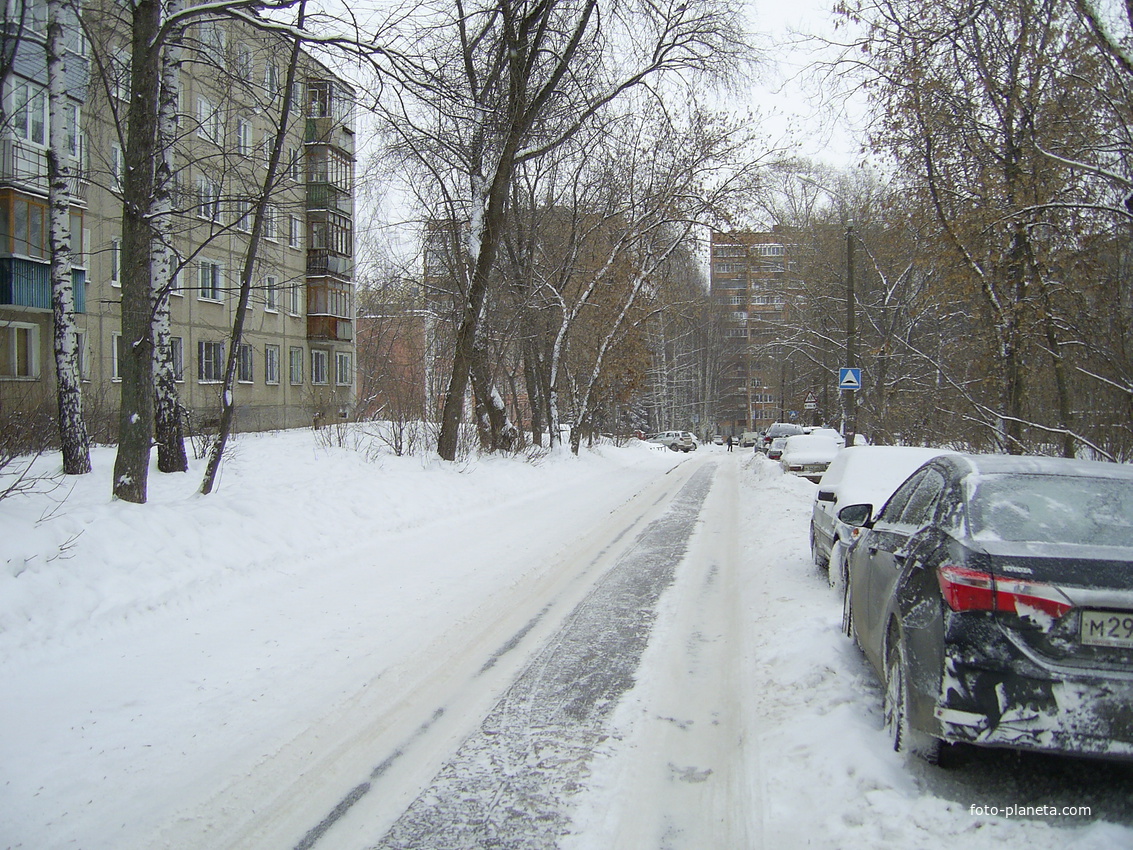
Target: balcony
pixel 327 196
pixel 24 166
pixel 27 283
pixel 323 261
pixel 329 329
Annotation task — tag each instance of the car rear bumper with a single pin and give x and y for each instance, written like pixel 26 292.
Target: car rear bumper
pixel 1052 711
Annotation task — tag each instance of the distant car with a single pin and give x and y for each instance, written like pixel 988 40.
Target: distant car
pixel 808 455
pixel 678 441
pixel 993 595
pixel 718 440
pixel 775 449
pixel 779 429
pixel 750 438
pixel 859 474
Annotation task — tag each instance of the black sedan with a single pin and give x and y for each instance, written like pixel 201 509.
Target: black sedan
pixel 993 595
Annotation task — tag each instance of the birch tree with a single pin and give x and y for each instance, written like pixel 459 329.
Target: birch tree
pixel 73 436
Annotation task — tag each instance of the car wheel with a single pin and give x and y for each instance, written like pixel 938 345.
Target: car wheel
pixel 896 709
pixel 820 562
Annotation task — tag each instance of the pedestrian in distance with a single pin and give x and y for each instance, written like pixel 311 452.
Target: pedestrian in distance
pixel 729 443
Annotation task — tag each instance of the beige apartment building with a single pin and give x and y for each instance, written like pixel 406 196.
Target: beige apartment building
pixel 297 355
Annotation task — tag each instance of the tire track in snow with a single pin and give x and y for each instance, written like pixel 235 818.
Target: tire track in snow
pixel 511 782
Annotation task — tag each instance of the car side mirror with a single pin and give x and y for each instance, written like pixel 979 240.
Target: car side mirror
pixel 826 496
pixel 856 515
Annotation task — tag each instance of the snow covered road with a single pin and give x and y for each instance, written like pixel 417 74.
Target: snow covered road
pixel 337 653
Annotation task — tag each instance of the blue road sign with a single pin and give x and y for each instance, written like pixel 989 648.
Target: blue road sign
pixel 849 379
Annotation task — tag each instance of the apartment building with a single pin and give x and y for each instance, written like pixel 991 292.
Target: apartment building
pixel 755 287
pixel 297 355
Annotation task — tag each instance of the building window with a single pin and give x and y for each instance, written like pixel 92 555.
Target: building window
pixel 209 280
pixel 208 121
pixel 271 364
pixel 82 356
pixel 210 362
pixel 295 232
pixel 271 228
pixel 245 362
pixel 116 353
pixel 30 113
pixel 319 364
pixel 19 350
pixel 271 80
pixel 241 215
pixel 296 365
pixel 243 137
pixel 271 293
pixel 116 168
pixel 243 65
pixel 343 374
pixel 208 199
pixel 295 299
pixel 175 284
pixel 177 357
pixel 115 262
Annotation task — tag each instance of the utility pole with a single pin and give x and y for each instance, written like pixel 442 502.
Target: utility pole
pixel 849 399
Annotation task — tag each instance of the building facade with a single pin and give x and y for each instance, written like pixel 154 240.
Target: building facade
pixel 296 358
pixel 755 287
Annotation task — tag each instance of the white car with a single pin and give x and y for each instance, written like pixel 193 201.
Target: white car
pixel 808 455
pixel 678 441
pixel 858 475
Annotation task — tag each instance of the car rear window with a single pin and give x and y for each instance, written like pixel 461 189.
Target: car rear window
pixel 1053 509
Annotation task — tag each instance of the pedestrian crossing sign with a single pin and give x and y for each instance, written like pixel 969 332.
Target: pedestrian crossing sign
pixel 849 378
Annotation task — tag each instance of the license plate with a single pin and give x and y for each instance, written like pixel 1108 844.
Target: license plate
pixel 1107 628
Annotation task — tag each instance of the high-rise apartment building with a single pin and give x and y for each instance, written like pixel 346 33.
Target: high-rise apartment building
pixel 753 285
pixel 296 359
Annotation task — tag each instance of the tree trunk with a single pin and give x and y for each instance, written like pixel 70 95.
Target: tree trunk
pixel 73 436
pixel 169 425
pixel 135 428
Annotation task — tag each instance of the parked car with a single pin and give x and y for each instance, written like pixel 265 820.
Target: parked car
pixel 833 433
pixel 691 437
pixel 718 440
pixel 993 595
pixel 808 455
pixel 775 450
pixel 750 438
pixel 779 429
pixel 858 475
pixel 678 441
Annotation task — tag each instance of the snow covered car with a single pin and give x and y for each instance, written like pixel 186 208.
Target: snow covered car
pixel 775 448
pixel 858 475
pixel 779 429
pixel 808 455
pixel 993 595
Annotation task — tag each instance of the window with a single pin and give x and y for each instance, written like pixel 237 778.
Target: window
pixel 296 365
pixel 19 350
pixel 241 215
pixel 25 232
pixel 29 118
pixel 294 167
pixel 208 199
pixel 271 364
pixel 210 362
pixel 117 166
pixel 212 37
pixel 295 232
pixel 175 287
pixel 209 281
pixel 319 364
pixel 271 293
pixel 116 353
pixel 245 373
pixel 271 229
pixel 115 262
pixel 82 356
pixel 243 63
pixel 243 137
pixel 208 121
pixel 177 357
pixel 120 73
pixel 271 80
pixel 343 374
pixel 295 299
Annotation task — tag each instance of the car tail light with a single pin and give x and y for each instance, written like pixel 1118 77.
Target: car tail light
pixel 966 589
